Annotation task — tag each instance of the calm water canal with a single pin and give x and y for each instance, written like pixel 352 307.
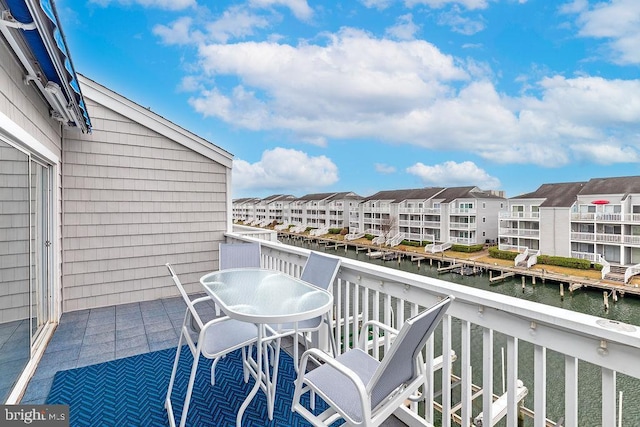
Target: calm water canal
pixel 584 301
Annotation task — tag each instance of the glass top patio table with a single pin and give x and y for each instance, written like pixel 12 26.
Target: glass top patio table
pixel 265 296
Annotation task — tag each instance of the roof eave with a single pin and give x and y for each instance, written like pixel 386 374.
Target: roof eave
pixel 145 117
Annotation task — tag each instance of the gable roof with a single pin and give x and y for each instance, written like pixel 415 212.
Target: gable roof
pixel 328 196
pixel 276 197
pixel 555 195
pixel 246 200
pixel 145 117
pixel 397 196
pixel 618 185
pixel 450 194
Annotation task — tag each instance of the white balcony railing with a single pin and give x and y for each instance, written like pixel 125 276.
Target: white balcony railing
pixel 463 240
pixel 545 346
pixel 428 211
pixel 519 215
pixel 463 225
pixel 519 232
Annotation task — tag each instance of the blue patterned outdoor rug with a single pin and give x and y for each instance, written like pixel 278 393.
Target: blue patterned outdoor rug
pixel 131 392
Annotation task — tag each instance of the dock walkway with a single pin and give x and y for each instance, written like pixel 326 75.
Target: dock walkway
pixel 497 272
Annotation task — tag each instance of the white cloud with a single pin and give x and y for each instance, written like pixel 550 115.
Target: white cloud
pixel 438 4
pixel 235 22
pixel 377 4
pixel 283 169
pixel 408 92
pixel 607 154
pixel 405 28
pixel 299 8
pixel 159 4
pixel 459 23
pixel 189 84
pixel 178 32
pixel 617 21
pixel 384 169
pixel 452 174
pixel 355 81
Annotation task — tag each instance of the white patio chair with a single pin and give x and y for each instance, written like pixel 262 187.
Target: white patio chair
pixel 362 390
pixel 319 270
pixel 238 255
pixel 216 339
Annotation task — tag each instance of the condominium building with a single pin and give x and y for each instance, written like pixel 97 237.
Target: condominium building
pixel 322 210
pixel 592 219
pixel 461 215
pixel 244 209
pixel 272 209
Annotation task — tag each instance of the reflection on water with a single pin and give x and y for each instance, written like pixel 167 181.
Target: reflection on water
pixel 586 301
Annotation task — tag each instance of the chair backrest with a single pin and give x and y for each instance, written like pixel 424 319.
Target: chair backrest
pixel 192 310
pixel 399 365
pixel 239 255
pixel 320 270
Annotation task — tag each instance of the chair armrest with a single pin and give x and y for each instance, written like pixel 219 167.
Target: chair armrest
pixel 342 369
pixel 375 323
pixel 201 299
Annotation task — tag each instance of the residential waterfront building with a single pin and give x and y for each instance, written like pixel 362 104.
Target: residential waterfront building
pixel 457 215
pixel 244 209
pixel 319 210
pixel 599 217
pixel 271 209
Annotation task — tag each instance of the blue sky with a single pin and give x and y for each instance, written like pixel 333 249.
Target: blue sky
pixel 320 96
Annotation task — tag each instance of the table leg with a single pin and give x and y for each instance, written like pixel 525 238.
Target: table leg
pixel 272 379
pixel 259 374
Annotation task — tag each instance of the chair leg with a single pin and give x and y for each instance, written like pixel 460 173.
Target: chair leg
pixel 167 401
pixel 192 377
pixel 272 379
pixel 213 371
pixel 332 336
pixel 245 361
pixel 295 348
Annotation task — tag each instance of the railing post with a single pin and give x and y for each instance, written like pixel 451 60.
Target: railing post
pixel 608 397
pixel 487 376
pixel 571 391
pixel 512 381
pixel 446 371
pixel 466 374
pixel 540 383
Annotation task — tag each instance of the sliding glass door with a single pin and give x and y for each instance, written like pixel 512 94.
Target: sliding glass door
pixel 40 247
pixel 25 241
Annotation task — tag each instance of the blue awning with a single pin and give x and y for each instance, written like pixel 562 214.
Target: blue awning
pixel 48 47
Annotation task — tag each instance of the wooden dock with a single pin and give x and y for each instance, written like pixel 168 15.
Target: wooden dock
pixel 532 276
pixel 504 275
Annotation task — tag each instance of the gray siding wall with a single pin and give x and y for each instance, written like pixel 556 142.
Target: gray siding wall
pixel 133 201
pixel 555 231
pixel 490 212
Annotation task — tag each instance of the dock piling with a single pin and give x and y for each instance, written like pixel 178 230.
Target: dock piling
pixel 605 296
pixel 561 291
